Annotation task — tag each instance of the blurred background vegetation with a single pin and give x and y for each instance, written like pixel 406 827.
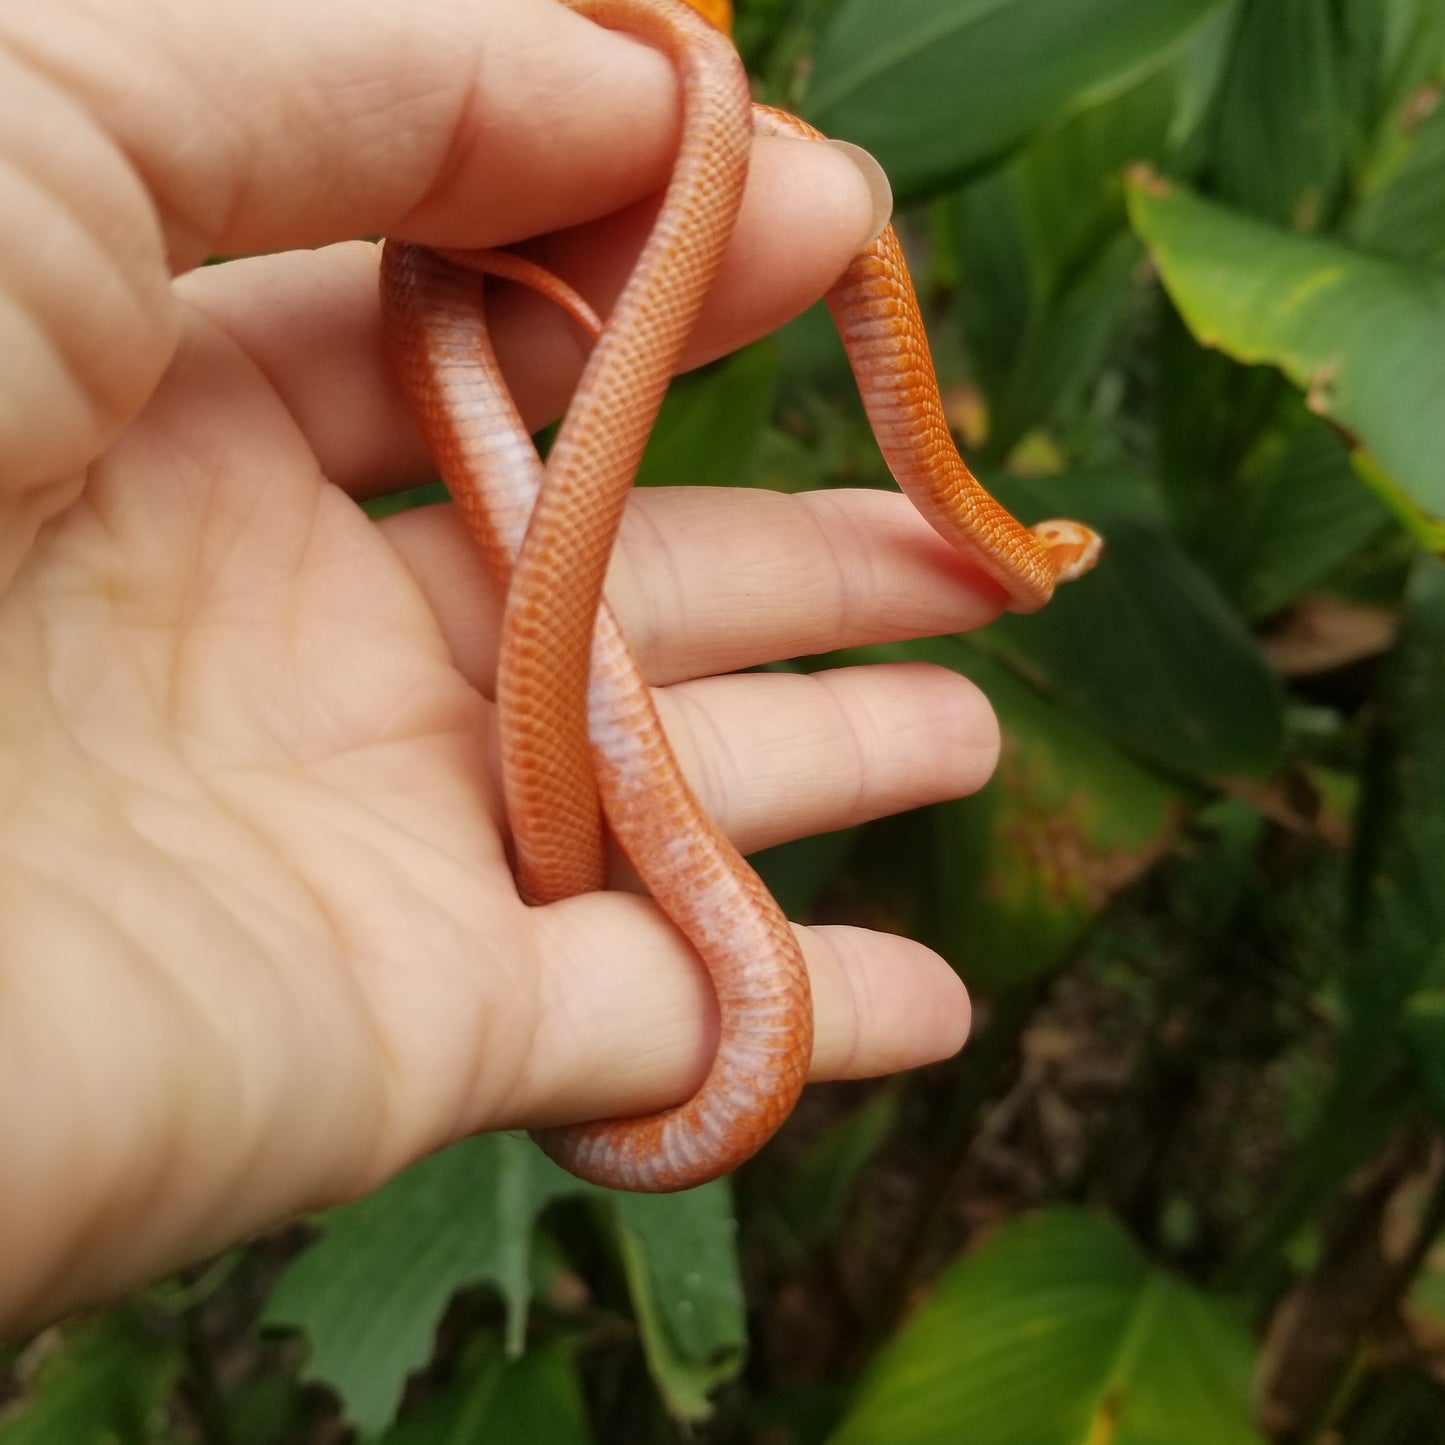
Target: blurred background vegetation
pixel 1182 263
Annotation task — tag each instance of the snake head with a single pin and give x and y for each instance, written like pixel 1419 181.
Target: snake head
pixel 1073 547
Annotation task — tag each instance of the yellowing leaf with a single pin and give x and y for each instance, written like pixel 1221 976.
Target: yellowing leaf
pixel 1362 336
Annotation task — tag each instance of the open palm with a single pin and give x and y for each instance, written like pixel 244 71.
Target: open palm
pixel 261 943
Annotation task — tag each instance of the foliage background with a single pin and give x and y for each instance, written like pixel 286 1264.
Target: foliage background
pixel 1182 261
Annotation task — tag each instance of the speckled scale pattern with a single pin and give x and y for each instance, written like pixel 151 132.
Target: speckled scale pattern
pixel 437 337
pixel 578 720
pixel 875 310
pixel 765 1030
pixel 436 325
pixel 545 649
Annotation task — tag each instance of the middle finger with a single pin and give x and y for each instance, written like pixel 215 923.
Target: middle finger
pixel 713 579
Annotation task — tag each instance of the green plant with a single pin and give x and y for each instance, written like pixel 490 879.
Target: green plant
pixel 1184 259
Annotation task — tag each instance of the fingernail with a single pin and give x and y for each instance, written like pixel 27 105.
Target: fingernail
pixel 877 182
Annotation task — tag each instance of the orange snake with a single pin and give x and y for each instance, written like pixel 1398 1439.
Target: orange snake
pixel 578 725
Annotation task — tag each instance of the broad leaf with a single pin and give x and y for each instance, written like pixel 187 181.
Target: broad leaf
pixel 822 1183
pixel 1070 178
pixel 1059 1331
pixel 1414 42
pixel 1294 515
pixel 935 88
pixel 1001 285
pixel 1210 413
pixel 1296 98
pixel 682 1272
pixel 1042 269
pixel 502 1401
pixel 1362 336
pixel 1405 215
pixel 1145 646
pixel 372 1290
pixel 1058 369
pixel 1021 869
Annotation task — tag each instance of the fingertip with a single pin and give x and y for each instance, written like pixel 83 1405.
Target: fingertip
pixel 835 185
pixel 939 1013
pixel 956 1019
pixel 883 1004
pixel 806 213
pixel 875 181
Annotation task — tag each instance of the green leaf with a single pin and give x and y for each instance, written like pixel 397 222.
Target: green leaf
pixel 371 1291
pixel 1043 270
pixel 682 1271
pixel 429 494
pixel 1000 283
pixel 1058 1331
pixel 936 88
pixel 1046 269
pixel 1412 67
pixel 1201 68
pixel 1071 176
pixel 266 1409
pixel 1414 41
pixel 1210 413
pixel 712 422
pixel 1145 646
pixel 1059 367
pixel 1405 215
pixel 1023 867
pixel 502 1401
pixel 1294 516
pixel 1361 336
pixel 1293 107
pixel 103 1382
pixel 817 1193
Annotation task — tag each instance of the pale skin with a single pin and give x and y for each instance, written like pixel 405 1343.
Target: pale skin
pixel 260 947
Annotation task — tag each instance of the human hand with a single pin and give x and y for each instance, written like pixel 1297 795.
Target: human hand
pixel 259 944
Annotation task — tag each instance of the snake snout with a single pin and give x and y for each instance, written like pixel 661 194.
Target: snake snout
pixel 1073 547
